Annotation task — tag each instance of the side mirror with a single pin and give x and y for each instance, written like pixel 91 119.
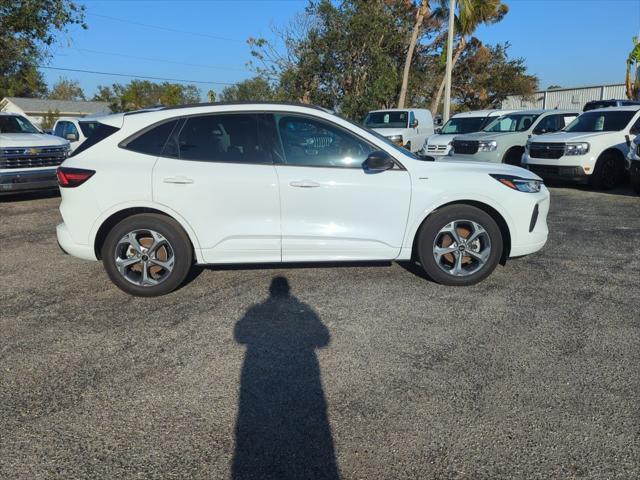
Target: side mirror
pixel 378 161
pixel 414 124
pixel 438 131
pixel 72 137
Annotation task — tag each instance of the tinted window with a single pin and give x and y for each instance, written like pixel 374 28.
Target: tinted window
pixel 71 128
pixel 514 122
pixel 231 138
pixel 16 124
pixel 101 132
pixel 59 130
pixel 152 141
pixel 387 119
pixel 315 143
pixel 605 121
pixel 87 128
pixel 463 125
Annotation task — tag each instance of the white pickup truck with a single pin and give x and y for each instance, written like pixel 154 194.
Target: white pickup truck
pixel 28 157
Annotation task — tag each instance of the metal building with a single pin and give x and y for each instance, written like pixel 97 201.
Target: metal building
pixel 566 98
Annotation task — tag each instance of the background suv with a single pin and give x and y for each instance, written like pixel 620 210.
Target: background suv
pixel 504 139
pixel 591 149
pixel 151 192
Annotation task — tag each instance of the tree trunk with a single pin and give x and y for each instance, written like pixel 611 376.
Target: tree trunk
pixel 435 104
pixel 421 13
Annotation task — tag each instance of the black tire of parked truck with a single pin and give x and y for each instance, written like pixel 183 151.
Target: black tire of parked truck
pixel 608 173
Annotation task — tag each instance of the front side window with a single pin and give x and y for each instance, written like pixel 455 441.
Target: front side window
pixel 462 125
pixel 550 123
pixel 59 130
pixel 16 124
pixel 514 122
pixel 231 138
pixel 601 121
pixel 311 142
pixel 71 129
pixel 387 119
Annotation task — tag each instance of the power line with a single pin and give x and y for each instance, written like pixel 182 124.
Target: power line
pixel 133 76
pixel 160 60
pixel 167 29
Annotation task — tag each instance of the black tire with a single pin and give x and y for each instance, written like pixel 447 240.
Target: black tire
pixel 608 172
pixel 513 156
pixel 177 248
pixel 430 232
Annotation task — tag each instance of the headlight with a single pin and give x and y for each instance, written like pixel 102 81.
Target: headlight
pixel 397 139
pixel 487 146
pixel 521 184
pixel 576 148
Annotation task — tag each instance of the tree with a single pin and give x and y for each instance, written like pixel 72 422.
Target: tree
pixel 27 29
pixel 49 119
pixel 633 86
pixel 554 87
pixel 67 89
pixel 421 14
pixel 486 76
pixel 140 94
pixel 253 89
pixel 471 14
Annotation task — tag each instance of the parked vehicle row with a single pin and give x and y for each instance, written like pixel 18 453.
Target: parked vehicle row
pixel 153 192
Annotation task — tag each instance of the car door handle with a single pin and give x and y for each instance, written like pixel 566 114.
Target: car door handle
pixel 304 184
pixel 179 180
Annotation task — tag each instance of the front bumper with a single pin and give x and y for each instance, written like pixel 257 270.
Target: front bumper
pixel 25 181
pixel 552 172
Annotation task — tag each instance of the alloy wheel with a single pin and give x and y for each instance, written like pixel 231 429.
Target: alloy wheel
pixel 144 257
pixel 462 248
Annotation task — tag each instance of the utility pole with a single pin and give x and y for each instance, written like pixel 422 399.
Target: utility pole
pixel 447 85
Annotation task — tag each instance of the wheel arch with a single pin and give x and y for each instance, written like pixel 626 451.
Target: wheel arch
pixel 510 150
pixel 113 218
pixel 613 151
pixel 488 209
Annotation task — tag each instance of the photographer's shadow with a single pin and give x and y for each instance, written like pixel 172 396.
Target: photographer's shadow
pixel 282 428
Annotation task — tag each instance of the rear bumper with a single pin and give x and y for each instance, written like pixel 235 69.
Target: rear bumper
pixel 66 243
pixel 24 181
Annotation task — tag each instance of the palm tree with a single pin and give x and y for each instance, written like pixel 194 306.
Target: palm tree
pixel 471 14
pixel 633 86
pixel 421 13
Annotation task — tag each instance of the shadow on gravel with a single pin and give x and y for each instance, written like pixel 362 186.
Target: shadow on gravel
pixel 282 428
pixel 624 190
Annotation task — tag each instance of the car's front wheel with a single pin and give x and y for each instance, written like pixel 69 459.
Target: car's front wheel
pixel 147 255
pixel 459 245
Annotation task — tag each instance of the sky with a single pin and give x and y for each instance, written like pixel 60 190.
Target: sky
pixel 564 42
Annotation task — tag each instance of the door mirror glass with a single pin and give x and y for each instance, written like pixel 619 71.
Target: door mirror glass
pixel 378 161
pixel 72 137
pixel 438 130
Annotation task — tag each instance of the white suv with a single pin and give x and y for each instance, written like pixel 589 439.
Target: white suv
pixel 591 149
pixel 28 157
pixel 150 193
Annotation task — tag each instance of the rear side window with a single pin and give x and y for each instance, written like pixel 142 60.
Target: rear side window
pixel 152 141
pixel 101 132
pixel 88 128
pixel 230 138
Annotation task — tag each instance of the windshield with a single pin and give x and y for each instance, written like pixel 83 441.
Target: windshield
pixel 463 125
pixel 16 124
pixel 393 119
pixel 514 122
pixel 87 128
pixel 609 121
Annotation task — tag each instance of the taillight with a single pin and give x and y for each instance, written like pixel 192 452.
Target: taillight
pixel 73 177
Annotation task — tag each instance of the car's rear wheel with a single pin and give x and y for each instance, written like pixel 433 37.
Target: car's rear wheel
pixel 608 172
pixel 459 245
pixel 147 255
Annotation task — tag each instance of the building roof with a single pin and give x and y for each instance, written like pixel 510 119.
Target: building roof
pixel 37 105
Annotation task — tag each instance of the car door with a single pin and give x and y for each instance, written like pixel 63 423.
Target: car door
pixel 216 174
pixel 331 208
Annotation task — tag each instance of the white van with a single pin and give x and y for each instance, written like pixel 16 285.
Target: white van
pixel 408 127
pixel 461 123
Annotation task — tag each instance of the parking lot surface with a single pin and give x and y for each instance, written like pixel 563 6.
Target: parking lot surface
pixel 354 372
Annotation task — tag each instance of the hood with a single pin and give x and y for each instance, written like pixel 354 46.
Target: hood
pixel 389 132
pixel 563 137
pixel 466 167
pixel 31 140
pixel 441 138
pixel 485 135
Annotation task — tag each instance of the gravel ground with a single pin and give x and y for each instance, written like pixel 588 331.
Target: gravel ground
pixel 356 372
